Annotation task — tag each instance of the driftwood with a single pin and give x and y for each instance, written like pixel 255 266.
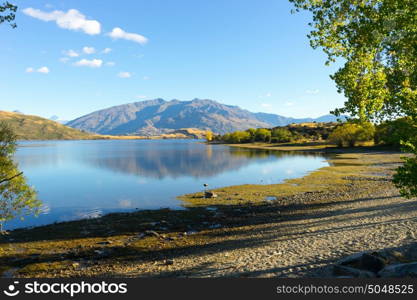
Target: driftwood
pixel 10 178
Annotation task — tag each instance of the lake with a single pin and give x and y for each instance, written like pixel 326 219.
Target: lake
pixel 86 179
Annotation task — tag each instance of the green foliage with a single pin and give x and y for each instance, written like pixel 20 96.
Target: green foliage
pixel 281 135
pixel 377 41
pixel 7 140
pixel 17 198
pixel 406 177
pixel 209 136
pixel 366 132
pixel 237 137
pixel 7 13
pixel 252 132
pixel 349 134
pixel 289 133
pixel 393 132
pixel 344 135
pixel 263 135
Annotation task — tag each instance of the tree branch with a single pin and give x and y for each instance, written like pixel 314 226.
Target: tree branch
pixel 8 179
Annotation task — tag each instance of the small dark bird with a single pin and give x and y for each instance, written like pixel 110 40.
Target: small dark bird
pixel 206 185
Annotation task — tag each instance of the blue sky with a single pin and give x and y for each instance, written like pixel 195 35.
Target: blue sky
pixel 254 54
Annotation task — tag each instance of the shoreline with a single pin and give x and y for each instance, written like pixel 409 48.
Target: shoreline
pixel 116 137
pixel 166 243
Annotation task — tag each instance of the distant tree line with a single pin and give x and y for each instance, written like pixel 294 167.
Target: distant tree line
pixel 284 134
pixel 348 134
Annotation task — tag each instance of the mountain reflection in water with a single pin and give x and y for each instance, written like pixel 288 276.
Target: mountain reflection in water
pixel 85 179
pixel 184 160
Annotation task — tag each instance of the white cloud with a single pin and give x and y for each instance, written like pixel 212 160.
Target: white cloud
pixel 124 75
pixel 110 63
pixel 118 33
pixel 289 103
pixel 106 50
pixel 72 19
pixel 44 70
pixel 146 77
pixel 267 95
pixel 312 92
pixel 140 97
pixel 70 53
pixel 266 105
pixel 93 63
pixel 89 50
pixel 64 59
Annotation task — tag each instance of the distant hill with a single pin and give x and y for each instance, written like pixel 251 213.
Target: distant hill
pixel 29 127
pixel 156 117
pixel 57 119
pixel 312 130
pixel 277 120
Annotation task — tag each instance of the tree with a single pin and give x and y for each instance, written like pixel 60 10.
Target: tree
pixel 349 134
pixel 252 132
pixel 7 13
pixel 281 135
pixel 239 137
pixel 209 136
pixel 263 135
pixel 377 42
pixel 366 132
pixel 406 176
pixel 393 132
pixel 17 198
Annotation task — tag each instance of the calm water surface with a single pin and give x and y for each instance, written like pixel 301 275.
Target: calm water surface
pixel 85 179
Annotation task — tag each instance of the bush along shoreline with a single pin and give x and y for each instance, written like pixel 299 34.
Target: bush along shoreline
pixel 347 134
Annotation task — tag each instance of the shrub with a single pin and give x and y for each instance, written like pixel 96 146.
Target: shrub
pixel 237 137
pixel 406 177
pixel 349 134
pixel 209 136
pixel 366 132
pixel 393 132
pixel 252 132
pixel 240 137
pixel 281 135
pixel 263 135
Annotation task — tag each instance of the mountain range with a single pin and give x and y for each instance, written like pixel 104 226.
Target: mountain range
pixel 158 116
